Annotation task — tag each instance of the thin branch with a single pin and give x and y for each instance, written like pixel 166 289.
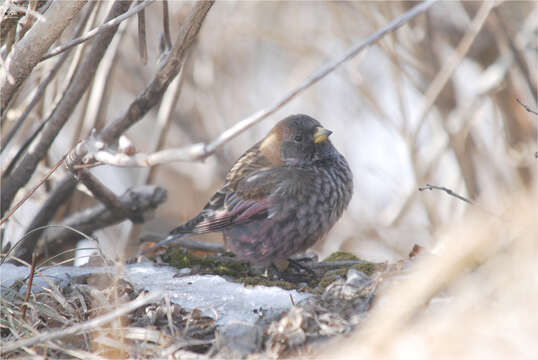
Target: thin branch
pixel 166 25
pixel 439 82
pixel 107 197
pixel 26 53
pixel 43 85
pixel 142 43
pixel 29 286
pixel 30 193
pixel 526 107
pixel 104 27
pixel 201 151
pixel 57 197
pixel 168 71
pixel 188 244
pixel 448 191
pixel 28 11
pixel 78 85
pixel 86 326
pixel 142 200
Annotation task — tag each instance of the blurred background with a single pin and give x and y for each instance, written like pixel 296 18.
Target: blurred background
pixel 433 102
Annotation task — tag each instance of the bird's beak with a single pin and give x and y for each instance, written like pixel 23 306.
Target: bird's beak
pixel 321 134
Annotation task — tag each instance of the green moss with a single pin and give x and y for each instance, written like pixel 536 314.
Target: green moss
pixel 180 258
pixel 368 268
pixel 258 280
pixel 183 259
pixel 341 255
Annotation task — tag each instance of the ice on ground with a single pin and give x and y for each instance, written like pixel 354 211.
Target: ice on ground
pixel 213 295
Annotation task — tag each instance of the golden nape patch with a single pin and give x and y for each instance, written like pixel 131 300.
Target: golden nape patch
pixel 270 148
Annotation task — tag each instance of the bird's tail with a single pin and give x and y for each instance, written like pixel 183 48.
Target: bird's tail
pixel 177 233
pixel 169 239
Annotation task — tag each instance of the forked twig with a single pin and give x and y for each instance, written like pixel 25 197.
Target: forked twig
pixel 447 190
pixel 103 27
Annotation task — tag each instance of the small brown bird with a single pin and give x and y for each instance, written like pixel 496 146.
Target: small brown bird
pixel 281 196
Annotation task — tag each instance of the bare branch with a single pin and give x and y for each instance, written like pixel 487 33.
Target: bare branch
pixel 107 197
pixel 58 196
pixel 202 150
pixel 448 191
pixel 187 244
pixel 78 85
pixel 26 53
pixel 30 193
pixel 142 43
pixel 42 86
pixel 104 27
pixel 166 25
pixel 526 107
pixel 153 93
pixel 141 200
pixel 439 82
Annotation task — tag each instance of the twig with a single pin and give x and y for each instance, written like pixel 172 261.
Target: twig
pixel 441 79
pixel 58 196
pixel 196 245
pixel 70 98
pixel 166 25
pixel 86 326
pixel 448 191
pixel 30 193
pixel 526 107
pixel 26 53
pixel 141 200
pixel 291 299
pixel 106 196
pixel 40 90
pixel 28 11
pixel 335 264
pixel 201 151
pixel 29 286
pixel 142 44
pixel 167 72
pixel 104 27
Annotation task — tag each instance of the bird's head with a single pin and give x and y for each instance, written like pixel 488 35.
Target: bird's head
pixel 297 140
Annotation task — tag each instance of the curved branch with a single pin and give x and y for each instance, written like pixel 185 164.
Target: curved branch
pixel 27 52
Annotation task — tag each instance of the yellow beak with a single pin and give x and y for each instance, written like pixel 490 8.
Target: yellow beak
pixel 321 134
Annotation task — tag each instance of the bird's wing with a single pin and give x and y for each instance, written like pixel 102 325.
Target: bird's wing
pixel 254 197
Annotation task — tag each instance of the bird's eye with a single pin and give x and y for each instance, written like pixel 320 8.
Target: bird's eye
pixel 298 138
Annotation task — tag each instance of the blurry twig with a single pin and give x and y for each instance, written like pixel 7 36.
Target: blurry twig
pixel 40 90
pixel 29 193
pixel 448 191
pixel 26 54
pixel 58 196
pixel 153 93
pixel 104 27
pixel 142 43
pixel 141 200
pixel 86 326
pixel 107 197
pixel 452 63
pixel 79 84
pixel 166 25
pixel 200 151
pixel 29 286
pixel 526 107
pixel 190 244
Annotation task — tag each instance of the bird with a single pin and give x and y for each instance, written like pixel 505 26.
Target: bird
pixel 280 197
